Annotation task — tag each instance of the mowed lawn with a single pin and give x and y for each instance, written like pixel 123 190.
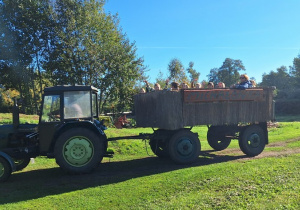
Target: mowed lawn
pixel 136 179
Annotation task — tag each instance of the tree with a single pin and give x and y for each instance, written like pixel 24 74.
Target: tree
pixel 66 42
pixel 227 73
pixel 193 73
pixel 279 78
pixel 25 32
pixel 213 75
pixel 161 80
pixel 295 71
pixel 176 71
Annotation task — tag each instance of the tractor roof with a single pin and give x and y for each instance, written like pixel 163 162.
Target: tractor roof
pixel 63 88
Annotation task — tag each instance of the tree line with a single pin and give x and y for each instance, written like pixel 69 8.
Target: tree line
pixel 74 42
pixel 65 42
pixel 229 72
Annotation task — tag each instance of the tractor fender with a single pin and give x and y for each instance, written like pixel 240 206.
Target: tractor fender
pixel 77 124
pixel 9 160
pixel 82 124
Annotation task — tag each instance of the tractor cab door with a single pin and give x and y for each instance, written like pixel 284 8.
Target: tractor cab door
pixel 50 119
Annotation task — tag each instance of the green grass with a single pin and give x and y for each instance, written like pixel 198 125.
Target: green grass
pixel 6 118
pixel 286 130
pixel 136 179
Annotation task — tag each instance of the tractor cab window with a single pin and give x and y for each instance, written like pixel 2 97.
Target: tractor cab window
pixel 94 104
pixel 51 109
pixel 77 104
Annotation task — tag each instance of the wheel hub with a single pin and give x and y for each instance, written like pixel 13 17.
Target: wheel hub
pixel 78 151
pixel 254 140
pixel 185 147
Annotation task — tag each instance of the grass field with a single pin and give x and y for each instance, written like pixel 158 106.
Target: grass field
pixel 136 179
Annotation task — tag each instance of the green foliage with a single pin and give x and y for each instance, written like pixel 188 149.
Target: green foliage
pixel 287 118
pixel 25 34
pixel 295 71
pixel 227 73
pixel 281 79
pixel 107 120
pixel 7 98
pixel 161 79
pixel 66 42
pixel 176 71
pixel 194 75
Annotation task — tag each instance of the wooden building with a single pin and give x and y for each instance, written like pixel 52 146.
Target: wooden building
pixel 172 110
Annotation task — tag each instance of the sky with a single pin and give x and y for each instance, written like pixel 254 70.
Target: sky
pixel 263 34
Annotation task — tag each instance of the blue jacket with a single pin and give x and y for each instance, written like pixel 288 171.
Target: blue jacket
pixel 244 85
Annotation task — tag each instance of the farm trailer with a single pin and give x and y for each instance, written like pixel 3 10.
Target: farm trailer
pixel 229 113
pixel 69 129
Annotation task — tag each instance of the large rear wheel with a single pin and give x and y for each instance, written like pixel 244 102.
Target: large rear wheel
pixel 184 147
pixel 159 147
pixel 252 141
pixel 5 170
pixel 79 150
pixel 216 138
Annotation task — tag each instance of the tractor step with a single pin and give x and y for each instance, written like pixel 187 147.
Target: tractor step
pixel 108 155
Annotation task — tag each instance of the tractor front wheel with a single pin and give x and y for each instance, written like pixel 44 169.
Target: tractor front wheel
pixel 21 163
pixel 5 170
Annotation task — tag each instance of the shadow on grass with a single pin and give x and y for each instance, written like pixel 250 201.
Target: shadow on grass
pixel 40 183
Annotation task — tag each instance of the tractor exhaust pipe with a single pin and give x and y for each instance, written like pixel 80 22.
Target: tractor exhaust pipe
pixel 16 117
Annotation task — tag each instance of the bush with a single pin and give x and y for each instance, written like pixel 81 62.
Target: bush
pixel 287 107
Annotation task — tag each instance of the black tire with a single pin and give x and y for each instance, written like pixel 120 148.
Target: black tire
pixel 252 141
pixel 5 170
pixel 216 139
pixel 79 150
pixel 159 148
pixel 21 163
pixel 184 147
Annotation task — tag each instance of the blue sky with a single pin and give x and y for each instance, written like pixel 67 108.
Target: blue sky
pixel 264 34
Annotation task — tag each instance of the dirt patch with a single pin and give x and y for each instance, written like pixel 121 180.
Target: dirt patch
pixel 237 152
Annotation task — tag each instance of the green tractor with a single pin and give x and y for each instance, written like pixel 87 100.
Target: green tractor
pixel 68 130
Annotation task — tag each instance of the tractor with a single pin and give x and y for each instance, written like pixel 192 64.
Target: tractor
pixel 68 130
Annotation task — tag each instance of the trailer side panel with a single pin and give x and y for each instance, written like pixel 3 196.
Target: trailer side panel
pixel 160 109
pixel 173 110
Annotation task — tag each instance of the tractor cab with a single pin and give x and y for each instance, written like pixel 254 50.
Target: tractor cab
pixel 64 105
pixel 67 103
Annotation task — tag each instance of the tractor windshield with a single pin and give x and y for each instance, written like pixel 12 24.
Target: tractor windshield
pixel 77 104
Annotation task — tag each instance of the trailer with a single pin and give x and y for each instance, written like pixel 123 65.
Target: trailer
pixel 69 129
pixel 230 114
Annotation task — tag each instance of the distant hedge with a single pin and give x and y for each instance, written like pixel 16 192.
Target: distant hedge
pixel 287 107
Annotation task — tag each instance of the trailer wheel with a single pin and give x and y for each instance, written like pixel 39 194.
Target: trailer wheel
pixel 79 150
pixel 217 139
pixel 159 148
pixel 184 147
pixel 5 170
pixel 252 141
pixel 21 163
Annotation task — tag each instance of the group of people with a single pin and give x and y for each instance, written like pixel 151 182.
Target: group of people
pixel 244 83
